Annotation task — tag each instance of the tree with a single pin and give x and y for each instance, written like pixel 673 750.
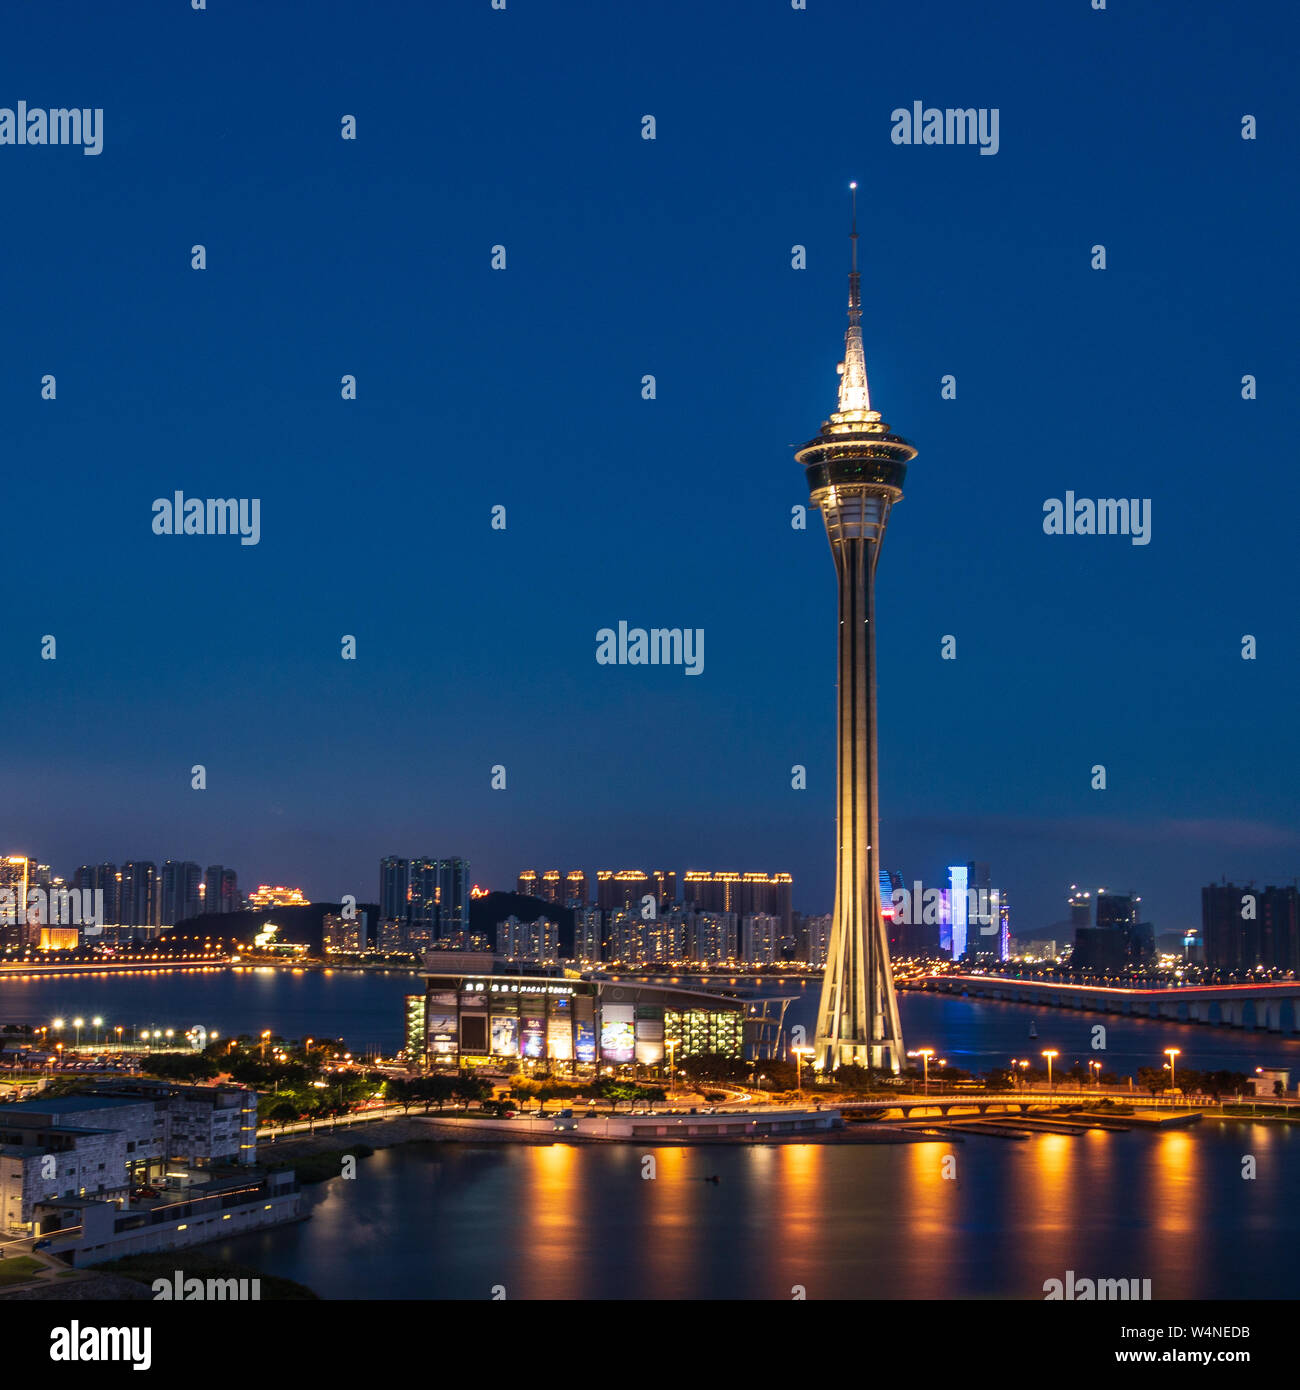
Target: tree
pixel 1153 1079
pixel 179 1066
pixel 468 1087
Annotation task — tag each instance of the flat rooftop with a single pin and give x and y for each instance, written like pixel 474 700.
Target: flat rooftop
pixel 70 1105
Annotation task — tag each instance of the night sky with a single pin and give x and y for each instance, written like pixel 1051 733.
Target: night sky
pixel 522 388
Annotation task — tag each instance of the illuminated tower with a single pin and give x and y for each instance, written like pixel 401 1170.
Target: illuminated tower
pixel 855 470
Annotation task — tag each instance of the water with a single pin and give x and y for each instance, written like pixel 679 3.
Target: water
pixel 568 1221
pixel 845 1221
pixel 366 1009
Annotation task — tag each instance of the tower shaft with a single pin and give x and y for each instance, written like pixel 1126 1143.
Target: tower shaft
pixel 857 1021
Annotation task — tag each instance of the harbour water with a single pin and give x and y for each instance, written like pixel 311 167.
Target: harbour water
pixel 979 1218
pixel 365 1008
pixel 566 1221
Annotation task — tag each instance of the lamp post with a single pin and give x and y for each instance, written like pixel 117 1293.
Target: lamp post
pixel 99 1023
pixel 924 1053
pixel 799 1053
pixel 1094 1072
pixel 1171 1053
pixel 1049 1053
pixel 671 1045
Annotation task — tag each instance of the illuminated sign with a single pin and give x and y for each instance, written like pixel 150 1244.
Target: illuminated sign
pixel 617 1033
pixel 559 1040
pixel 649 1041
pixel 505 1036
pixel 534 1036
pixel 586 1042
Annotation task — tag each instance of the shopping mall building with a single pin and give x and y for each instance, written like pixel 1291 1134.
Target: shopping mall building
pixel 566 1021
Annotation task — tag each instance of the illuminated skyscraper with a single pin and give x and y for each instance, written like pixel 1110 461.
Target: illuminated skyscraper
pixel 17 878
pixel 855 469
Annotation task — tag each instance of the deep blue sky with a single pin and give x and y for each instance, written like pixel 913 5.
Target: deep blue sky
pixel 523 388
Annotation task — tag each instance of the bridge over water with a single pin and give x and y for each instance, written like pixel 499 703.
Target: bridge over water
pixel 1057 1100
pixel 1272 1007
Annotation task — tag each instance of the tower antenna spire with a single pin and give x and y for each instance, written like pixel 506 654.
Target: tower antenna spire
pixel 854 393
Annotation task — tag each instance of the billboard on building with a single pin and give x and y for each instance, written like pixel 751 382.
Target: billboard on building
pixel 559 1038
pixel 505 1035
pixel 617 1033
pixel 534 1035
pixel 649 1041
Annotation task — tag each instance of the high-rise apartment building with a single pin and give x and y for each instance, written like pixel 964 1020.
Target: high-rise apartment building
pixel 139 904
pixel 760 936
pixel 394 889
pixel 102 879
pixel 1243 928
pixel 711 938
pixel 453 899
pixel 746 894
pixel 622 888
pixel 179 891
pixel 220 890
pixel 17 878
pixel 429 897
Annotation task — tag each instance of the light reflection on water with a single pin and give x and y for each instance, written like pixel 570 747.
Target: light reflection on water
pixel 843 1221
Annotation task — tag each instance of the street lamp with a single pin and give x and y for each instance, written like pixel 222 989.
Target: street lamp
pixel 798 1063
pixel 1171 1053
pixel 99 1023
pixel 78 1024
pixel 671 1045
pixel 1094 1064
pixel 1049 1053
pixel 924 1053
pixel 266 1033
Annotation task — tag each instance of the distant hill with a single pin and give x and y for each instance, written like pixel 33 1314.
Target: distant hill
pixel 485 913
pixel 303 926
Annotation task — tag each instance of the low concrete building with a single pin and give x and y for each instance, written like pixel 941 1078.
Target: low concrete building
pixel 219 1205
pixel 102 1144
pixel 42 1161
pixel 165 1125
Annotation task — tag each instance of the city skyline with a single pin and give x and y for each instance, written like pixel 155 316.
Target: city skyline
pixel 1070 650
